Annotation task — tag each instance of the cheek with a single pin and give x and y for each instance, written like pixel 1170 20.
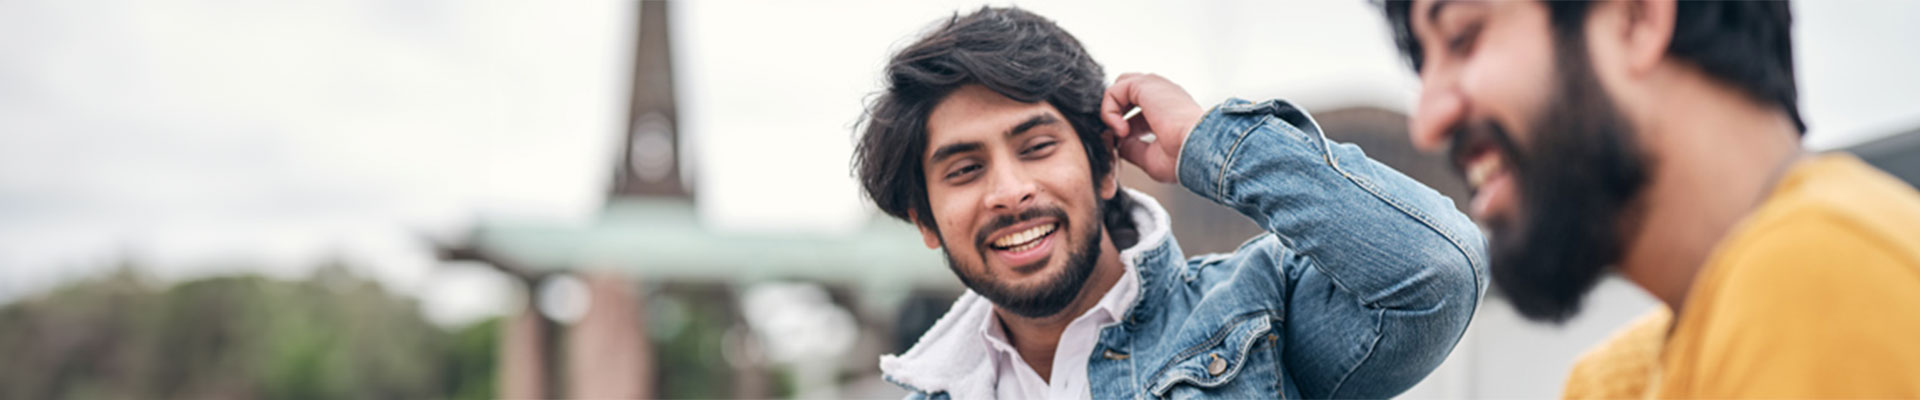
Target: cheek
pixel 952 216
pixel 1510 77
pixel 1068 180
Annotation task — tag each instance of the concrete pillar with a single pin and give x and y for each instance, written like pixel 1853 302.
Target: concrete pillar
pixel 608 354
pixel 522 348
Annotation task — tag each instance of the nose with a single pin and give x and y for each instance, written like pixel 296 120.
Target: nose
pixel 1013 190
pixel 1441 106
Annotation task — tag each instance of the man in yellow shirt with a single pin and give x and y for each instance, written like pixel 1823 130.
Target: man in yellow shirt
pixel 1812 295
pixel 1661 141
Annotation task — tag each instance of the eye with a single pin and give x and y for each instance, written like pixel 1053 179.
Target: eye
pixel 1038 149
pixel 963 171
pixel 1462 42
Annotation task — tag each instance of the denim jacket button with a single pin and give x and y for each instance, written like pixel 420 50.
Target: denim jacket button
pixel 1115 355
pixel 1217 366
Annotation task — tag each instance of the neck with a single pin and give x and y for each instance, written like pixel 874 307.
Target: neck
pixel 1036 338
pixel 1716 157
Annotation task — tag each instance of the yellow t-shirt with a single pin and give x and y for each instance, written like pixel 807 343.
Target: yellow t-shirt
pixel 1814 295
pixel 1625 365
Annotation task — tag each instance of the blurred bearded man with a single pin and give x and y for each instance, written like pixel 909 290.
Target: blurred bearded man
pixel 1661 141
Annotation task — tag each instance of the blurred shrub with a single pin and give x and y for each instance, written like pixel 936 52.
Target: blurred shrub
pixel 330 336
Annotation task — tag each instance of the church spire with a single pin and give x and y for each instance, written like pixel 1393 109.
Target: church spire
pixel 650 160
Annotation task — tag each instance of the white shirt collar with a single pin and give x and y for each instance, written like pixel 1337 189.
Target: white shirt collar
pixel 1112 305
pixel 1016 379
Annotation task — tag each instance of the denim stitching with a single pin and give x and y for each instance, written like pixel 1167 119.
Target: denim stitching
pixel 1220 183
pixel 1217 337
pixel 1220 336
pixel 1244 347
pixel 1326 151
pixel 1473 264
pixel 1379 329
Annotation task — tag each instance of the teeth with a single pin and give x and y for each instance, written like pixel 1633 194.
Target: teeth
pixel 1023 238
pixel 1483 168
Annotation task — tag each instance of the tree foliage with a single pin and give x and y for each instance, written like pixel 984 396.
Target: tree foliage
pixel 330 336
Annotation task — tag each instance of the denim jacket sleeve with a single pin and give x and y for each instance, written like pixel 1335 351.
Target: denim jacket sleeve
pixel 1382 273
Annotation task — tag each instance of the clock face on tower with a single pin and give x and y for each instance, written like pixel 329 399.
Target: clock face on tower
pixel 652 154
pixel 652 164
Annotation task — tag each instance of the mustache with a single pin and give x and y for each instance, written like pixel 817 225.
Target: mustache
pixel 1005 220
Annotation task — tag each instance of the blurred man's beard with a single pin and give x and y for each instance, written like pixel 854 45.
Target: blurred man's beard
pixel 1054 293
pixel 1578 180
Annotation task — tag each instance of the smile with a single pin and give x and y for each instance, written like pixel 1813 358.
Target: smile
pixel 1491 180
pixel 1483 167
pixel 1023 240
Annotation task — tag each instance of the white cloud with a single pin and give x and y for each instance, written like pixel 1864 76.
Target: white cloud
pixel 199 132
pixel 193 135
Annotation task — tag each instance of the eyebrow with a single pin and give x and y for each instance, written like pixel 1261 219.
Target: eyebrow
pixel 1031 122
pixel 1433 13
pixel 947 151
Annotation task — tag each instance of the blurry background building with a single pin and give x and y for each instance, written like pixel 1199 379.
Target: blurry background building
pixel 481 199
pixel 1898 154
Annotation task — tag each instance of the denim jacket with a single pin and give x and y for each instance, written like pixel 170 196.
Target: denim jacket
pixel 1361 286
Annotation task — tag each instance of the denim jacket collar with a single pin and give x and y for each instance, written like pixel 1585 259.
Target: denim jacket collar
pixel 952 357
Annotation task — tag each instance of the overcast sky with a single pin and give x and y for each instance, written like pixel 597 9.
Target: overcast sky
pixel 207 137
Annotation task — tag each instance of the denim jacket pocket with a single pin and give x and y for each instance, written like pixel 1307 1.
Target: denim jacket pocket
pixel 1210 368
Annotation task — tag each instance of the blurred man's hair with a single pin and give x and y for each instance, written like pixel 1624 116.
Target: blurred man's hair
pixel 1745 44
pixel 1013 52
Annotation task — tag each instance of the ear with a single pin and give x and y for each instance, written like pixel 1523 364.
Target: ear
pixel 1649 30
pixel 1109 185
pixel 928 235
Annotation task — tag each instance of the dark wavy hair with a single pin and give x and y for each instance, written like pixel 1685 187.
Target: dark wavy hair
pixel 1746 44
pixel 1013 52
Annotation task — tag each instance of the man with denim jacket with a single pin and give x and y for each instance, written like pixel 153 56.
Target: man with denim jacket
pixel 989 137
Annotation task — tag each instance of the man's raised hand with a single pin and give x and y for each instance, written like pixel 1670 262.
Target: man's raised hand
pixel 1166 111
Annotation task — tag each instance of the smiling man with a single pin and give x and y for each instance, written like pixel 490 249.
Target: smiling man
pixel 989 137
pixel 1660 141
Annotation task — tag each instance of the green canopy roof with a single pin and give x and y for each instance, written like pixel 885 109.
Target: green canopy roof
pixel 663 239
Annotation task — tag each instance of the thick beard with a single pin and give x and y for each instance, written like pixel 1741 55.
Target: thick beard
pixel 1578 183
pixel 1056 292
